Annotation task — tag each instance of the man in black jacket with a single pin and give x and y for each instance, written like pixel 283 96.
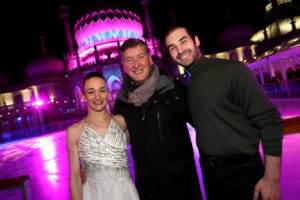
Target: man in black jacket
pixel 155 111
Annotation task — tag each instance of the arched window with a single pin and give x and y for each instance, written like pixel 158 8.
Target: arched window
pixel 110 14
pixel 102 15
pixel 258 78
pixel 58 92
pixel 267 78
pixel 4 124
pixel 95 17
pixel 247 54
pixel 18 99
pixel 278 75
pixel 88 19
pixel 233 56
pixel 30 120
pixel 18 122
pixel 290 73
pixel 32 95
pixel 116 85
pixel 43 93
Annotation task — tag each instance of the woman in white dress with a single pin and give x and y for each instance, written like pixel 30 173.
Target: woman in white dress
pixel 99 141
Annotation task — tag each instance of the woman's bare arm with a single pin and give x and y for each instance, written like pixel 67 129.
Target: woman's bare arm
pixel 73 134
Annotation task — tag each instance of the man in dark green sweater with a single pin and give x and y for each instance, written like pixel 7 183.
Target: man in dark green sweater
pixel 231 115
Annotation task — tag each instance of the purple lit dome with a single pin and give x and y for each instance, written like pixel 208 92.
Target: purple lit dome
pixel 45 66
pixel 105 28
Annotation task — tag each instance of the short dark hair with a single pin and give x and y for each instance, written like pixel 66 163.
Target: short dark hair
pixel 175 27
pixel 132 42
pixel 89 76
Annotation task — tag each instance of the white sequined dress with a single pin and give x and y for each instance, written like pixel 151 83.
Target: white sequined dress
pixel 105 163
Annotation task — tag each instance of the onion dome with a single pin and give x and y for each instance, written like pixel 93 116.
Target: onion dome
pixel 45 66
pixel 3 80
pixel 105 28
pixel 235 36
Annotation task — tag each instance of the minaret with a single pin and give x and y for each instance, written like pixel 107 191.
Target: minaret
pixel 152 43
pixel 44 51
pixel 145 4
pixel 65 16
pixel 71 58
pixel 173 17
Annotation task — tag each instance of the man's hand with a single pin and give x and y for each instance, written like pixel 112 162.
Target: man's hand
pixel 82 175
pixel 269 185
pixel 269 190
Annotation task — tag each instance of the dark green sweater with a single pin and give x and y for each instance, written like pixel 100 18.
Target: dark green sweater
pixel 230 110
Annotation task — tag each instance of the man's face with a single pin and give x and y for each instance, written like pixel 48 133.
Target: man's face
pixel 183 49
pixel 137 63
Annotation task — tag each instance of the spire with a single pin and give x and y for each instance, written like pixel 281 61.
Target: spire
pixel 229 15
pixel 152 42
pixel 145 3
pixel 173 17
pixel 64 14
pixel 42 40
pixel 71 58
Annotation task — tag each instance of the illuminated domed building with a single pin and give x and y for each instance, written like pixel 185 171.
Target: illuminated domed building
pixel 24 106
pixel 271 52
pixel 51 100
pixel 98 36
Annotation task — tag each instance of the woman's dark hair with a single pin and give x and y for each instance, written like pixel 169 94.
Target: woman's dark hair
pixel 89 76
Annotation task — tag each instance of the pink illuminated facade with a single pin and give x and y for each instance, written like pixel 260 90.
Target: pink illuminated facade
pixel 51 100
pixel 99 34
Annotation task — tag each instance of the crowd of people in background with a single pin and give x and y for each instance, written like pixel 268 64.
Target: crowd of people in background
pixel 292 73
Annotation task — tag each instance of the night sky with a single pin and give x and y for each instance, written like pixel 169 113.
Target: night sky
pixel 27 19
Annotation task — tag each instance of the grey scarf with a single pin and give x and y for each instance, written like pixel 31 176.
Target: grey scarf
pixel 146 90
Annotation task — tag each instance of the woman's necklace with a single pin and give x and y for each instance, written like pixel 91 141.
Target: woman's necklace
pixel 99 126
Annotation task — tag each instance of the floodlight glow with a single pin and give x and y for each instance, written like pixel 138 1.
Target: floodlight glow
pixel 37 103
